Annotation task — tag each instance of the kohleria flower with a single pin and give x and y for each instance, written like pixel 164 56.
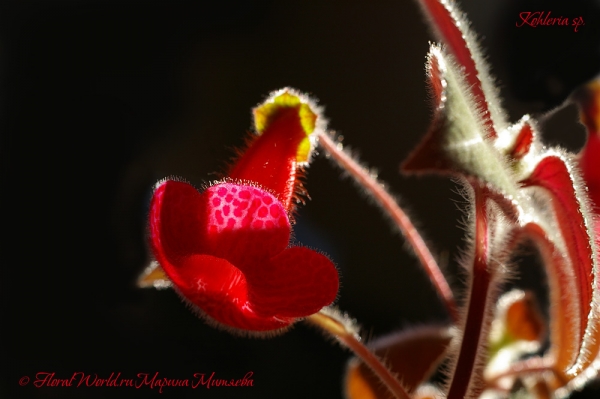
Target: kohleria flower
pixel 225 249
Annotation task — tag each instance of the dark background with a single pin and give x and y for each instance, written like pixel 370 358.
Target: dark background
pixel 100 99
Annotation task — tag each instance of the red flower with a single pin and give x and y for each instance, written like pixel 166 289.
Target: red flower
pixel 226 249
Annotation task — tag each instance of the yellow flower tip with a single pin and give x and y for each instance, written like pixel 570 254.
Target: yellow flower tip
pixel 309 116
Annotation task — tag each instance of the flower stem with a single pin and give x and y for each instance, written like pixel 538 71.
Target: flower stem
pixel 347 337
pixel 467 371
pixel 398 216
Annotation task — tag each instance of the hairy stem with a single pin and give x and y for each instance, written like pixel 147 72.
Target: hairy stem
pixel 465 374
pixel 398 216
pixel 350 339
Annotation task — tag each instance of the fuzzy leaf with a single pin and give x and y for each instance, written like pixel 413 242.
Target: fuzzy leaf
pixel 413 355
pixel 565 322
pixel 452 29
pixel 456 143
pixel 554 173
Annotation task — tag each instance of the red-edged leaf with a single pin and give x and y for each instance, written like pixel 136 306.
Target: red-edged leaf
pixel 456 143
pixel 452 30
pixel 566 324
pixel 523 140
pixel 553 174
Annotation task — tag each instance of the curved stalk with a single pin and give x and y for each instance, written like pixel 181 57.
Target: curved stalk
pixel 398 216
pixel 465 372
pixel 348 338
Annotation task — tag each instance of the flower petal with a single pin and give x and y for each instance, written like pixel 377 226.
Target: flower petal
pixel 239 223
pixel 217 247
pixel 246 225
pixel 177 223
pixel 296 283
pixel 220 291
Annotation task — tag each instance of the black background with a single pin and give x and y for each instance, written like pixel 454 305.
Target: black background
pixel 100 99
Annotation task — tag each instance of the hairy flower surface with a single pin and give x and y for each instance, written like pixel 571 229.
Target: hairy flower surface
pixel 225 252
pixel 225 249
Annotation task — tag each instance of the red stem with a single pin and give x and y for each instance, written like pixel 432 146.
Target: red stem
pixel 349 339
pixel 398 216
pixel 471 345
